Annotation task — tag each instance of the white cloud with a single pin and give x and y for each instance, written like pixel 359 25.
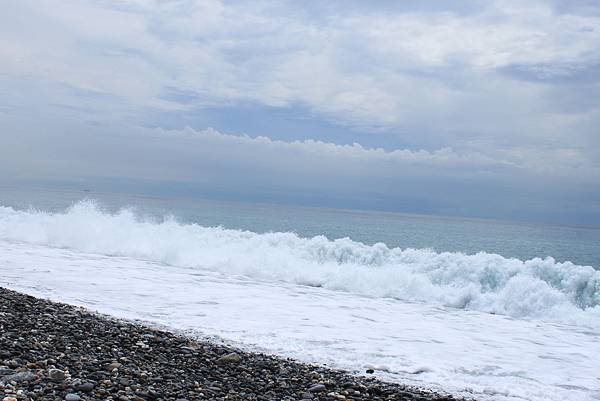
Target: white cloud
pixel 362 70
pixel 493 92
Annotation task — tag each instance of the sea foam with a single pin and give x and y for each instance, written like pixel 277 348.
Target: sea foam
pixel 535 288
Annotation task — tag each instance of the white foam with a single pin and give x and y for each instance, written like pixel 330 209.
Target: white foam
pixel 488 357
pixel 536 288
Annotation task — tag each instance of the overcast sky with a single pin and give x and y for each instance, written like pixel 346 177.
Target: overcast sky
pixel 481 108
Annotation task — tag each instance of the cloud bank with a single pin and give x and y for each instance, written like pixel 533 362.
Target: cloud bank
pixel 486 108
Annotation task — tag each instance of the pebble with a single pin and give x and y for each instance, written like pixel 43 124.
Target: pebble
pixel 229 358
pixel 85 387
pixel 72 397
pixel 19 377
pixel 316 388
pixel 113 366
pixel 56 374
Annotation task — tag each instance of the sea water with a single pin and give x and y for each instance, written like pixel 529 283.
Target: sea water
pixel 496 310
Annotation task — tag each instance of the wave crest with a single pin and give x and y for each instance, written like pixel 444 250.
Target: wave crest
pixel 539 288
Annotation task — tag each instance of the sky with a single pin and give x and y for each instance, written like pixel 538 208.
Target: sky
pixel 468 108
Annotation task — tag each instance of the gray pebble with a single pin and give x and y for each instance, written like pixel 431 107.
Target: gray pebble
pixel 20 377
pixel 56 374
pixel 86 387
pixel 229 358
pixel 113 366
pixel 316 388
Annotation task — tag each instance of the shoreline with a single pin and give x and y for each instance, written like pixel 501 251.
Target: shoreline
pixel 55 351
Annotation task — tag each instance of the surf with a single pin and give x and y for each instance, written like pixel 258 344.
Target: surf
pixel 536 288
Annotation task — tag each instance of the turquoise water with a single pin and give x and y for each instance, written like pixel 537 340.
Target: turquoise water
pixel 520 240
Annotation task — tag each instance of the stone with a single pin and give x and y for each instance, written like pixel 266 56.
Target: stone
pixel 316 388
pixel 370 371
pixel 72 397
pixel 19 377
pixel 86 387
pixel 229 358
pixel 113 366
pixel 56 374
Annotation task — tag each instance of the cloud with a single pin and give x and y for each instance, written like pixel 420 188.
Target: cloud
pixel 481 96
pixel 213 164
pixel 372 69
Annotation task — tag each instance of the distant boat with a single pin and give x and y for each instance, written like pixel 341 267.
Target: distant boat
pixel 86 190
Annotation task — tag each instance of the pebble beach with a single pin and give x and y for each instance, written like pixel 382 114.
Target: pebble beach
pixel 54 351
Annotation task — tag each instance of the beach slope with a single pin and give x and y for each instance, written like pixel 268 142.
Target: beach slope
pixel 54 351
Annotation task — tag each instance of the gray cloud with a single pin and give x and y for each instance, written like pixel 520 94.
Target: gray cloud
pixel 473 102
pixel 213 164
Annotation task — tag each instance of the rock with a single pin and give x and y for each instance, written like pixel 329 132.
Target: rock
pixel 9 399
pixel 26 376
pixel 370 371
pixel 113 366
pixel 13 363
pixel 72 397
pixel 316 388
pixel 374 389
pixel 6 372
pixel 56 374
pixel 229 358
pixel 307 396
pixel 86 387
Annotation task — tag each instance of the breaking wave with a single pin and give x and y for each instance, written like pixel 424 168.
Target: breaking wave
pixel 536 288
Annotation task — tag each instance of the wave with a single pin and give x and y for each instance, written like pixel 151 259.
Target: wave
pixel 536 288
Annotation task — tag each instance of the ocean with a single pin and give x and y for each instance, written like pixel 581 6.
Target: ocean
pixel 496 310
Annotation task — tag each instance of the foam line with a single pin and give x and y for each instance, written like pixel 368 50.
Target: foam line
pixel 535 288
